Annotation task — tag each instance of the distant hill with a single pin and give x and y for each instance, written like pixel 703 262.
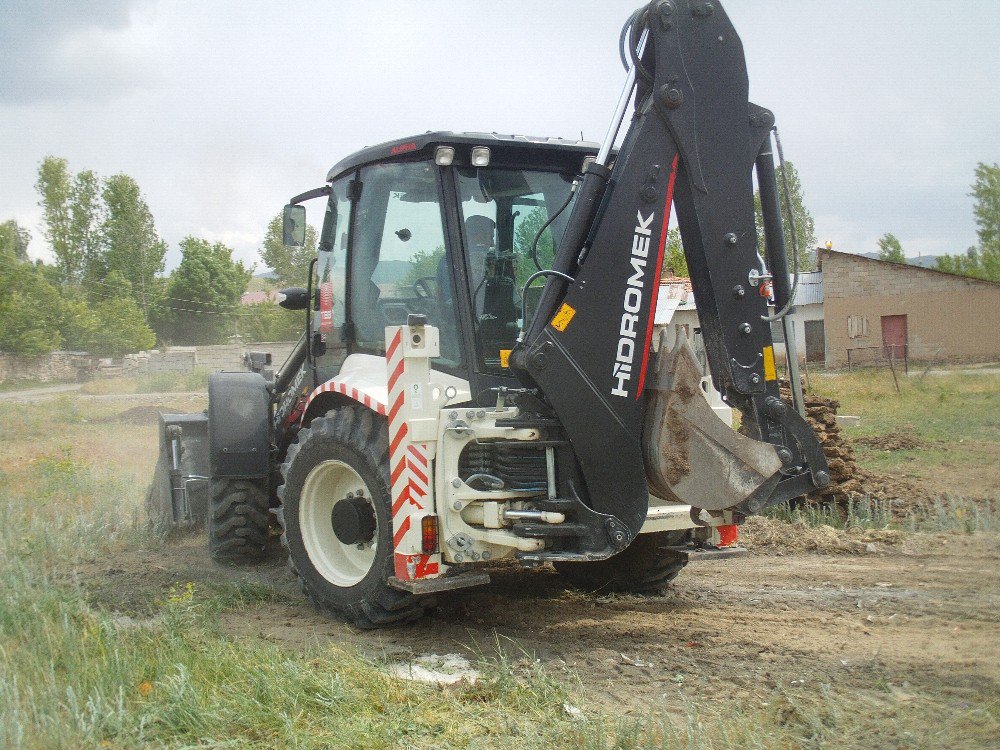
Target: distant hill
pixel 924 261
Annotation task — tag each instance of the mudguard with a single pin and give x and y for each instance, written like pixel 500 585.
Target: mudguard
pixel 239 425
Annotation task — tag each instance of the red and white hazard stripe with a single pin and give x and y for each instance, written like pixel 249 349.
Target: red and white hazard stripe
pixel 409 473
pixel 332 386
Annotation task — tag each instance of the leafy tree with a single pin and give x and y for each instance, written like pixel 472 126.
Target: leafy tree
pixel 109 325
pixel 290 264
pixel 86 209
pixel 982 261
pixel 120 328
pixel 130 244
pixel 265 321
pixel 423 264
pixel 14 241
pixel 674 257
pixel 524 235
pixel 986 191
pixel 202 296
pixel 55 188
pixel 804 224
pixel 31 310
pixel 890 249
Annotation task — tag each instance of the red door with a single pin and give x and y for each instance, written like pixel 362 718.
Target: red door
pixel 894 336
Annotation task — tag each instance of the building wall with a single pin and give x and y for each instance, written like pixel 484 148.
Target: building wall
pixel 948 317
pixel 811 311
pixel 47 368
pixel 185 359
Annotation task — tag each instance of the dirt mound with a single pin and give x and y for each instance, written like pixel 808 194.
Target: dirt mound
pixel 135 415
pixel 848 481
pixel 893 441
pixel 759 532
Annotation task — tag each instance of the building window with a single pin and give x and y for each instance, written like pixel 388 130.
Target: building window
pixel 857 327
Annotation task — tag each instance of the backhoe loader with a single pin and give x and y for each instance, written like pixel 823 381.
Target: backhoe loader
pixel 478 378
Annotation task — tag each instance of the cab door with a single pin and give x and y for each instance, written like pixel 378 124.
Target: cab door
pixel 329 345
pixel 399 261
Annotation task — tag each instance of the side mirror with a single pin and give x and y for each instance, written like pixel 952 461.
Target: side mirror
pixel 294 223
pixel 294 298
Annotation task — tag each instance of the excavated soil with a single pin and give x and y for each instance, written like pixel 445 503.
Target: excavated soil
pixel 916 610
pixel 893 441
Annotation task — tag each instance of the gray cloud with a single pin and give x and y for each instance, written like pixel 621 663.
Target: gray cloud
pixel 68 50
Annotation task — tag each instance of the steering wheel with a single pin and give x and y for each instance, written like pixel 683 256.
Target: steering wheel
pixel 422 287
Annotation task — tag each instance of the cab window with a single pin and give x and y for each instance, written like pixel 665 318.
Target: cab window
pixel 399 262
pixel 502 212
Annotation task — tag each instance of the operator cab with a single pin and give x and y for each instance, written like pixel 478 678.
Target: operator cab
pixel 440 225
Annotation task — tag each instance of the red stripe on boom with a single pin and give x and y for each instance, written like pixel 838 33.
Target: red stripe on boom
pixel 656 278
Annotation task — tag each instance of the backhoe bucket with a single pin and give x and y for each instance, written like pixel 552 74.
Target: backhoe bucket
pixel 179 494
pixel 691 455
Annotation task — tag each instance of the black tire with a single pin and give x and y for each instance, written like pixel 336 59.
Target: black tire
pixel 239 522
pixel 359 438
pixel 646 566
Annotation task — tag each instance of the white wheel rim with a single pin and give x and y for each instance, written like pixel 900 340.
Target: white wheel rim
pixel 327 484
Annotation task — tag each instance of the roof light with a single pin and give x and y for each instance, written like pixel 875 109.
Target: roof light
pixel 444 156
pixel 480 156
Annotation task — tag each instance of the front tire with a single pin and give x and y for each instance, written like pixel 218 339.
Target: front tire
pixel 343 456
pixel 646 566
pixel 238 522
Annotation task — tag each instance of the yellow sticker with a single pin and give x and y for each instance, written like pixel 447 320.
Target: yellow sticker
pixel 770 373
pixel 505 357
pixel 563 317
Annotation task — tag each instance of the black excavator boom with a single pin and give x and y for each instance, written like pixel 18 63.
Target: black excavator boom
pixel 693 142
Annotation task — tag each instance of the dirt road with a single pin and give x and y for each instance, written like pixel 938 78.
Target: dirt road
pixel 923 617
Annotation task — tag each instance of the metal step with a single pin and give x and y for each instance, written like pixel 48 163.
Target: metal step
pixel 436 585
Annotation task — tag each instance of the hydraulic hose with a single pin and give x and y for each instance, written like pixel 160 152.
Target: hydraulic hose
pixel 795 242
pixel 534 242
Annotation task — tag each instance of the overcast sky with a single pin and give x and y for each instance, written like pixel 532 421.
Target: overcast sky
pixel 223 110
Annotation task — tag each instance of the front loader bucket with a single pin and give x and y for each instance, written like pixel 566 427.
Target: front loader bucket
pixel 179 494
pixel 691 455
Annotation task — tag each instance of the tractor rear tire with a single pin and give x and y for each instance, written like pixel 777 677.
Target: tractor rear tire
pixel 239 522
pixel 340 456
pixel 646 566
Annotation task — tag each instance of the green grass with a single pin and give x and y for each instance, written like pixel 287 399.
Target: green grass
pixel 162 382
pixel 943 407
pixel 75 673
pixel 956 417
pixel 944 514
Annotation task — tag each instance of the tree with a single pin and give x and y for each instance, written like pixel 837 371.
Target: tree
pixel 890 249
pixel 674 258
pixel 805 226
pixel 31 310
pixel 265 321
pixel 54 186
pixel 290 264
pixel 202 296
pixel 86 211
pixel 524 235
pixel 982 261
pixel 986 191
pixel 14 241
pixel 129 242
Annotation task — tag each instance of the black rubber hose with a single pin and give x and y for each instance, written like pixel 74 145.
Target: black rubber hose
pixel 534 242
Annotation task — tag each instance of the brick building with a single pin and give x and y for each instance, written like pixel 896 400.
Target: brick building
pixel 875 308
